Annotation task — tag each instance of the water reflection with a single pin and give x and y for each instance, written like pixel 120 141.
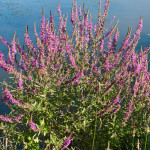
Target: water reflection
pixel 16 14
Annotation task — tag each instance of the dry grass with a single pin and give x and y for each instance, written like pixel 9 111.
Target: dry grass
pixel 6 144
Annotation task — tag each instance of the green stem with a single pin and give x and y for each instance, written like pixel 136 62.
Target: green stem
pixel 94 130
pixel 133 143
pixel 145 142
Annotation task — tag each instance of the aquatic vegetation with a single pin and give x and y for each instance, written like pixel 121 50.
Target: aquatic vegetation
pixel 77 91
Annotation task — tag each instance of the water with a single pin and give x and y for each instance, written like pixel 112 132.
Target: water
pixel 16 14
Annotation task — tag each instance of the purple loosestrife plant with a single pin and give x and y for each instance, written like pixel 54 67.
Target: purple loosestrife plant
pixel 79 85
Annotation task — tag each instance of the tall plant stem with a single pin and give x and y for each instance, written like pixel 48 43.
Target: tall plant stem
pixel 133 143
pixel 145 142
pixel 94 130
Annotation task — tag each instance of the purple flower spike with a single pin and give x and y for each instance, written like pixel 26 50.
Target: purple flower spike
pixel 33 126
pixel 6 95
pixel 6 119
pixel 77 76
pixel 66 143
pixel 20 86
pixel 17 119
pixel 129 111
pixel 4 41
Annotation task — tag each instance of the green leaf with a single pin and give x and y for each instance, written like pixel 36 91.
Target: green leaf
pixel 29 138
pixel 34 104
pixel 52 91
pixel 36 85
pixel 45 132
pixel 43 96
pixel 39 132
pixel 36 140
pixel 12 90
pixel 11 77
pixel 51 114
pixel 42 122
pixel 83 111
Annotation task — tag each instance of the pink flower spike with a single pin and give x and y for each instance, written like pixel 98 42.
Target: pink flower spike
pixel 66 143
pixel 6 119
pixel 17 119
pixel 33 126
pixel 59 10
pixel 20 83
pixel 80 12
pixel 4 41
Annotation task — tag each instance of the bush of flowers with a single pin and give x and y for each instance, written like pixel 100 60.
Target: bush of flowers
pixel 77 91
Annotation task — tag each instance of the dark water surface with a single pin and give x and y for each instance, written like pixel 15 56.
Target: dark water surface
pixel 16 14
